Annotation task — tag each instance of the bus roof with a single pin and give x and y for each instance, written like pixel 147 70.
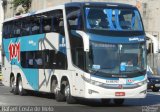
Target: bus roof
pixel 33 13
pixel 98 4
pixel 109 4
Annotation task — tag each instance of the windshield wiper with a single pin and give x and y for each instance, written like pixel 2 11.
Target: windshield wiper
pixel 133 71
pixel 139 71
pixel 98 70
pixel 94 71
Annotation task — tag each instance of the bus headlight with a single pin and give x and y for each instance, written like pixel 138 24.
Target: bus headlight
pixel 96 83
pixel 92 81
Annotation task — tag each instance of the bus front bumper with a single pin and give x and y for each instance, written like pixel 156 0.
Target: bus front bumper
pixel 93 91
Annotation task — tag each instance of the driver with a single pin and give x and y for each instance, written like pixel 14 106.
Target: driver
pixel 130 62
pixel 97 18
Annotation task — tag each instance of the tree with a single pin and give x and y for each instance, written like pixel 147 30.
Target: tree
pixel 26 4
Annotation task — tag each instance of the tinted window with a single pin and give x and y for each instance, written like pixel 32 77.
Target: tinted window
pixel 17 29
pixel 51 21
pixel 47 59
pixel 113 19
pixel 35 24
pixel 26 28
pixel 74 18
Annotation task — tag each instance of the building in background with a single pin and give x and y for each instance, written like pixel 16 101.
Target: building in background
pixel 150 10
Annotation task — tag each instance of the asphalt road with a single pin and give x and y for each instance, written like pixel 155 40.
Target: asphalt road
pixel 150 104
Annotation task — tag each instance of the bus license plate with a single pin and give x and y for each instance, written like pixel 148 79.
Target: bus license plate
pixel 112 81
pixel 120 94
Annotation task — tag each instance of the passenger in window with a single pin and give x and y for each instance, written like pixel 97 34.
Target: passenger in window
pixel 99 21
pixel 39 61
pixel 35 28
pixel 130 62
pixel 47 26
pixel 30 61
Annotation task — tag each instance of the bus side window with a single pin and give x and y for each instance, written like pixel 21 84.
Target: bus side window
pixel 49 59
pixel 57 22
pixel 17 29
pixel 10 29
pixel 54 60
pixel 47 26
pixel 35 25
pixel 29 59
pixel 61 60
pixel 80 58
pixel 46 22
pixel 74 18
pixel 61 27
pixel 5 30
pixel 25 27
pixel 38 59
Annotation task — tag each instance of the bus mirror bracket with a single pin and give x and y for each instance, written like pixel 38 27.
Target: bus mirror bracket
pixel 85 38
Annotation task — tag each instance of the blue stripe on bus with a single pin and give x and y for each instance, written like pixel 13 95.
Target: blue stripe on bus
pixel 95 76
pixel 137 79
pixel 110 39
pixel 28 43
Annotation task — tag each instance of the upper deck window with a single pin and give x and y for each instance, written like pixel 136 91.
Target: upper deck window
pixel 113 19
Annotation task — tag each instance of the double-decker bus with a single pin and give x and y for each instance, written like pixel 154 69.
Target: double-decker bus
pixel 77 50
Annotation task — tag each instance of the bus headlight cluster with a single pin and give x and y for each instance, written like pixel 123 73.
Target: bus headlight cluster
pixel 114 86
pixel 96 83
pixel 92 81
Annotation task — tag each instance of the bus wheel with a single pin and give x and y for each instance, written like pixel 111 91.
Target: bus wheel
pixel 105 101
pixel 119 101
pixel 59 96
pixel 69 98
pixel 53 86
pixel 21 91
pixel 14 88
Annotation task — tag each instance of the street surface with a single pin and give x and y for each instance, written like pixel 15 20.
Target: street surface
pixel 150 103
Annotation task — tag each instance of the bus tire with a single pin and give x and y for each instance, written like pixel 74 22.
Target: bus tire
pixel 21 90
pixel 14 88
pixel 53 86
pixel 59 96
pixel 118 101
pixel 69 98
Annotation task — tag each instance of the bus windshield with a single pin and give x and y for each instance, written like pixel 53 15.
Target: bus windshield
pixel 113 19
pixel 117 58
